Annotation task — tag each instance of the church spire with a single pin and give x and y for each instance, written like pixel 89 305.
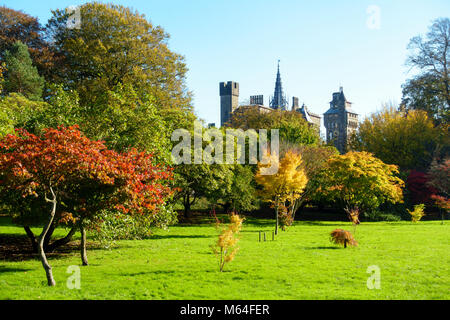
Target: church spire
pixel 279 100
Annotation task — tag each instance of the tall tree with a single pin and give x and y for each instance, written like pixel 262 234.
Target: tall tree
pixel 19 26
pixel 439 176
pixel 429 90
pixel 314 159
pixel 406 139
pixel 283 188
pixel 293 128
pixel 21 75
pixel 116 45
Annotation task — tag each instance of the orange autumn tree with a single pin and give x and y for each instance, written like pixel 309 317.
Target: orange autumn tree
pixel 79 176
pixel 359 182
pixel 283 188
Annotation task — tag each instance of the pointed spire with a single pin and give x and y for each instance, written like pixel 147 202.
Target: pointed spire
pixel 279 100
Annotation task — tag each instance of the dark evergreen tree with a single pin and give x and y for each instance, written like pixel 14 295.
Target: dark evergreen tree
pixel 21 76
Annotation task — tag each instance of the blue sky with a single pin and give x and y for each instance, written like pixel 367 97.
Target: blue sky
pixel 321 44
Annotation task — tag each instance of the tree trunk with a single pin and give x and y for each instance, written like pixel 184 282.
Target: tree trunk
pixel 34 241
pixel 48 236
pixel 276 215
pixel 48 269
pixel 52 246
pixel 60 242
pixel 84 259
pixel 187 206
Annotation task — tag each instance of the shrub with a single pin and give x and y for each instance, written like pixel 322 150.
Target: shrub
pixel 417 213
pixel 114 226
pixel 343 237
pixel 225 248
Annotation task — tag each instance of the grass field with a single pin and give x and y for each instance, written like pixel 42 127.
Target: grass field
pixel 414 261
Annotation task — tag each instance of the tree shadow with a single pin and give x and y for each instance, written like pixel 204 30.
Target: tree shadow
pixel 15 247
pixel 178 236
pixel 157 272
pixel 9 269
pixel 322 248
pixel 260 223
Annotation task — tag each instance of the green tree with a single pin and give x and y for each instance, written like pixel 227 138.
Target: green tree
pixel 293 128
pixel 123 119
pixel 116 45
pixel 19 26
pixel 429 90
pixel 21 75
pixel 211 181
pixel 20 112
pixel 242 194
pixel 231 185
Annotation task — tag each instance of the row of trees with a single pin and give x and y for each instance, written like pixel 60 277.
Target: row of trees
pixel 415 135
pixel 86 116
pixel 79 178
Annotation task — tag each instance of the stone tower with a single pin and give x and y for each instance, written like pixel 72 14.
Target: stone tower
pixel 229 96
pixel 340 121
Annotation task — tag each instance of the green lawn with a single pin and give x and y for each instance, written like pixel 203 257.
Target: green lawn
pixel 414 261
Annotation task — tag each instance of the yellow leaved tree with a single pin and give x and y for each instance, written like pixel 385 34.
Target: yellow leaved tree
pixel 359 182
pixel 285 187
pixel 225 248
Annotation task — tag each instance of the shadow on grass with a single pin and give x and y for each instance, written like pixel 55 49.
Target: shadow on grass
pixel 16 247
pixel 322 247
pixel 157 272
pixel 9 269
pixel 178 236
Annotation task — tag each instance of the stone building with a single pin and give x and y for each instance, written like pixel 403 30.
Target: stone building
pixel 229 96
pixel 312 118
pixel 340 121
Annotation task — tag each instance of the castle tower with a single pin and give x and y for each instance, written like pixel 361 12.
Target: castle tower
pixel 279 100
pixel 229 96
pixel 340 121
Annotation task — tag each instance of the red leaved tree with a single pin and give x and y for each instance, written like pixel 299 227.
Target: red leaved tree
pixel 421 191
pixel 72 173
